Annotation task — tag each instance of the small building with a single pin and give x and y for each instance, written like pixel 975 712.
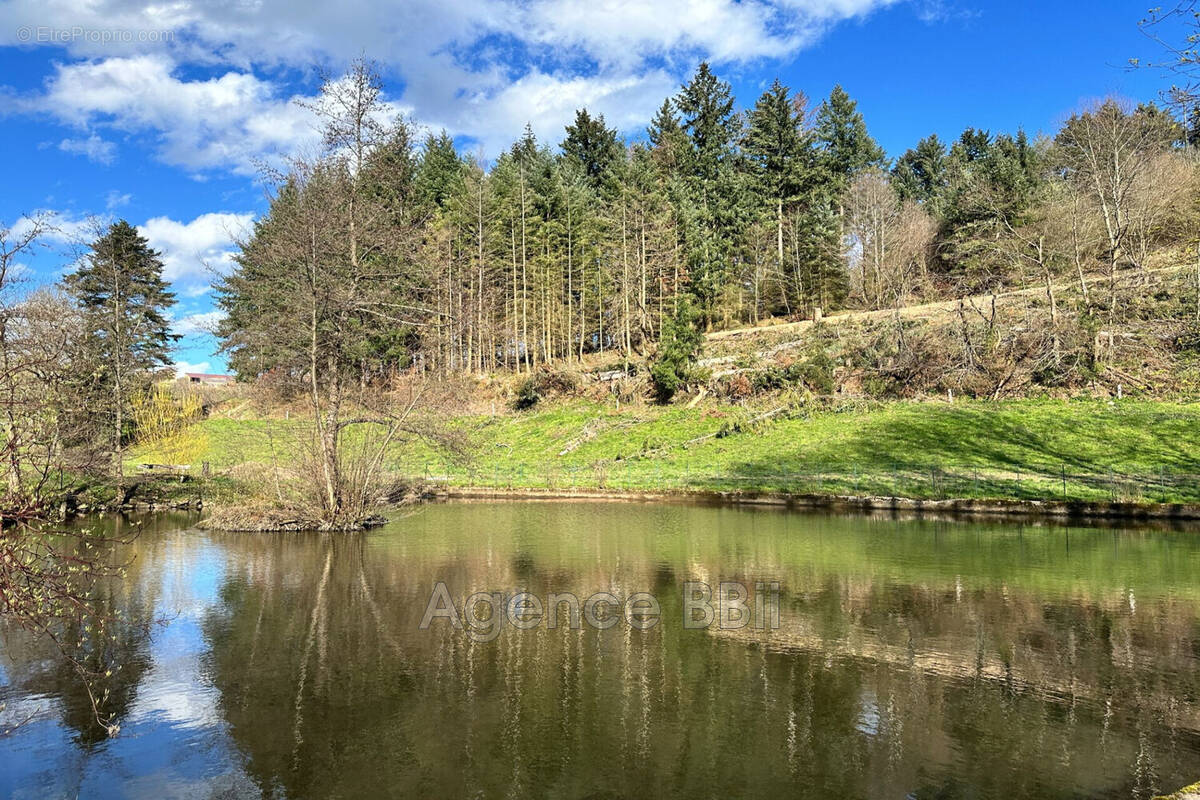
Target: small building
pixel 205 379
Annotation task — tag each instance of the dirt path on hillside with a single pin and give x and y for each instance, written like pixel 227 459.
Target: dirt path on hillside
pixel 922 310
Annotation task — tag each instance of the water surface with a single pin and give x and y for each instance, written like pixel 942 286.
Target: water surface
pixel 912 659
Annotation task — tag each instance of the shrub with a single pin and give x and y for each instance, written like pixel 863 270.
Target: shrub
pixel 815 373
pixel 1188 339
pixel 736 387
pixel 681 342
pixel 543 383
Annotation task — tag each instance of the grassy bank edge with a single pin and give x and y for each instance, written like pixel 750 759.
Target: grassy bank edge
pixel 952 507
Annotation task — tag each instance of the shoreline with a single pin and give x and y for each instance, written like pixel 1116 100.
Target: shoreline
pixel 1185 515
pixel 962 508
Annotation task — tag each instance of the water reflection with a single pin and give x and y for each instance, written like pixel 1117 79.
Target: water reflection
pixel 913 659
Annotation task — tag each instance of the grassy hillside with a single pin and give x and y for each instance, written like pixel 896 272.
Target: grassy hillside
pixel 1032 449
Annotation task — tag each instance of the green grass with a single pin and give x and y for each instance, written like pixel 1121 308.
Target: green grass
pixel 1128 450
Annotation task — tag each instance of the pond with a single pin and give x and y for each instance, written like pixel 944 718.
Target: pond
pixel 843 657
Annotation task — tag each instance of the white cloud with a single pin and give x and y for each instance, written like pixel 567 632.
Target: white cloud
pixel 95 148
pixel 549 103
pixel 225 122
pixel 18 272
pixel 60 227
pixel 192 251
pixel 115 199
pixel 186 366
pixel 480 68
pixel 201 324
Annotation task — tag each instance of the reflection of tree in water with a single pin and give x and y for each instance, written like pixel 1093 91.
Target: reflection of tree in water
pixel 306 665
pixel 76 625
pixel 874 687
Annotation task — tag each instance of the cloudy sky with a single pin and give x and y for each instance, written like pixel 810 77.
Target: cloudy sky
pixel 161 112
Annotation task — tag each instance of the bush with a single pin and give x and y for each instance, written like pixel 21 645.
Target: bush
pixel 1188 339
pixel 681 343
pixel 736 387
pixel 544 383
pixel 815 373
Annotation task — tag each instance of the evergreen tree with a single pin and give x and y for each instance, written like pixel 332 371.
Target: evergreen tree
pixel 664 127
pixel 920 174
pixel 440 172
pixel 123 300
pixel 677 352
pixel 818 277
pixel 990 182
pixel 841 133
pixel 712 188
pixel 1193 126
pixel 593 145
pixel 776 145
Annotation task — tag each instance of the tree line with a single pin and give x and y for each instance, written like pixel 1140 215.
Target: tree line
pixel 423 255
pixel 381 253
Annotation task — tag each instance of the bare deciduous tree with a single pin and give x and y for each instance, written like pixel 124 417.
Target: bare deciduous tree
pixel 1109 151
pixel 891 238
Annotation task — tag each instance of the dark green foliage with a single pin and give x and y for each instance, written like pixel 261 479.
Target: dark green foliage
pixel 706 105
pixel 1193 126
pixel 1188 339
pixel 124 299
pixel 713 192
pixel 439 172
pixel 777 145
pixel 544 383
pixel 664 127
pixel 677 352
pixel 593 145
pixel 846 147
pixel 820 278
pixel 920 174
pixel 990 183
pixel 814 373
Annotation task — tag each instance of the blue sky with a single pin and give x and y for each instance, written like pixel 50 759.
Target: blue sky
pixel 161 113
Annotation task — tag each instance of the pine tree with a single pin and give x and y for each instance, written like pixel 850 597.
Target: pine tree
pixel 712 188
pixel 846 147
pixel 776 146
pixel 920 174
pixel 593 145
pixel 123 299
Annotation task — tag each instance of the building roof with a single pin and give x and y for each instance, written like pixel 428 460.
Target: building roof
pixel 203 375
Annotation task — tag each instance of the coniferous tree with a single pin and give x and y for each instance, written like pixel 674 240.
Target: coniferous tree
pixel 440 172
pixel 846 147
pixel 920 174
pixel 123 298
pixel 990 181
pixel 712 189
pixel 681 344
pixel 593 145
pixel 818 277
pixel 778 147
pixel 1193 126
pixel 664 126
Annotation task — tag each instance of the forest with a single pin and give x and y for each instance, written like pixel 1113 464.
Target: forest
pixel 714 218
